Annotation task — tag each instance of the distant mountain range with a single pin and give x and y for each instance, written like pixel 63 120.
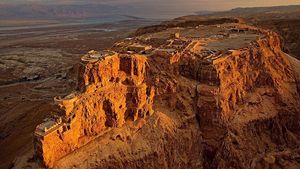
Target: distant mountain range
pixel 82 11
pixel 291 8
pixel 275 11
pixel 100 10
pixel 46 11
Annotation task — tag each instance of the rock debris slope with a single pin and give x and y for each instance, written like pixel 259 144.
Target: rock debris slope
pixel 217 95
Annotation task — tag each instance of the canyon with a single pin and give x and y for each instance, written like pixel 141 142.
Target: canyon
pixel 210 93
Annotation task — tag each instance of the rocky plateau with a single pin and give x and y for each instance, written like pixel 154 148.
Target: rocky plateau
pixel 208 93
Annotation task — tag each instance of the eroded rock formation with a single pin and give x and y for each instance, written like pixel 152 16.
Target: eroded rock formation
pixel 258 75
pixel 219 96
pixel 111 91
pixel 260 105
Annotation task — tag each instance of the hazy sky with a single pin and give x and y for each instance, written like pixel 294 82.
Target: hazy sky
pixel 168 7
pixel 191 5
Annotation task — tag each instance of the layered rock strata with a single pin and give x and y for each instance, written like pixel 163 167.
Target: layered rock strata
pixel 111 91
pixel 226 96
pixel 255 76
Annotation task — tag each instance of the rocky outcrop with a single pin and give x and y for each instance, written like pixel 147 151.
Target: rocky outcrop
pixel 260 106
pixel 200 70
pixel 256 75
pixel 111 91
pixel 220 102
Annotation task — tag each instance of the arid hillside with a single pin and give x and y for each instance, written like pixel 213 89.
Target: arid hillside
pixel 216 93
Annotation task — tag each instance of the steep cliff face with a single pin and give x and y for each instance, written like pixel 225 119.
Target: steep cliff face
pixel 225 101
pixel 256 77
pixel 111 92
pixel 260 105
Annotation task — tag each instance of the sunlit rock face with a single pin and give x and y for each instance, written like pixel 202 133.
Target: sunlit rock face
pixel 256 76
pixel 111 91
pixel 216 95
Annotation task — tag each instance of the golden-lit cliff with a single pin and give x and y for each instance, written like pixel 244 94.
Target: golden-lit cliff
pixel 111 91
pixel 217 95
